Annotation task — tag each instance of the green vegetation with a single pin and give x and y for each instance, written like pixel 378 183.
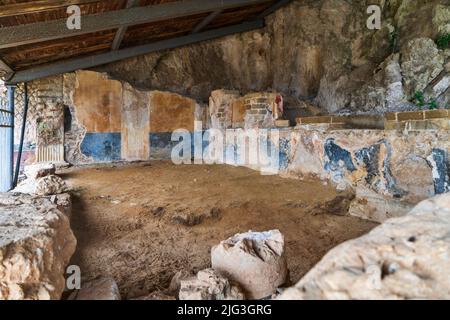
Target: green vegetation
pixel 433 105
pixel 393 36
pixel 443 41
pixel 419 100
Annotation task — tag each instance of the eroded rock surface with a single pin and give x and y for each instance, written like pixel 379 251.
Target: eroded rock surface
pixel 255 260
pixel 41 180
pixel 99 289
pixel 209 285
pixel 319 51
pixel 39 170
pixel 405 258
pixel 36 244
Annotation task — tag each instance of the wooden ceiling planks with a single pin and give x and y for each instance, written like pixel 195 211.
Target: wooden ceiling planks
pixel 147 33
pixel 26 56
pixel 38 14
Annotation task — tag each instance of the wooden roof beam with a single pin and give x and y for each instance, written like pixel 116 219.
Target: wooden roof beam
pixel 122 30
pixel 277 5
pixel 57 29
pixel 205 22
pixel 113 56
pixel 15 9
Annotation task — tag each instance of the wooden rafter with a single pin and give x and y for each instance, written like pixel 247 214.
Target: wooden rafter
pixel 122 30
pixel 57 29
pixel 113 56
pixel 14 9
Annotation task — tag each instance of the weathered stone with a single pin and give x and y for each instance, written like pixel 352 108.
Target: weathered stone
pixel 404 258
pixel 156 296
pixel 100 289
pixel 222 99
pixel 63 202
pixel 421 63
pixel 175 283
pixel 36 244
pixel 372 206
pixel 414 175
pixel 255 260
pixel 39 170
pixel 48 185
pixel 209 285
pixel 381 161
pixel 337 206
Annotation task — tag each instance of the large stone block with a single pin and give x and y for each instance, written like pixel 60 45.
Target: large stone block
pixel 404 258
pixel 99 289
pixel 36 244
pixel 255 260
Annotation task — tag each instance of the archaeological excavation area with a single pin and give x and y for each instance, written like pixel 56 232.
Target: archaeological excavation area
pixel 234 150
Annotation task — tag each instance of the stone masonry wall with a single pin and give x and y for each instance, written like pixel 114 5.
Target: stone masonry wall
pixel 389 171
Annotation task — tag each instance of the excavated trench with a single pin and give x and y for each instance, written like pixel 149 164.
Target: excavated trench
pixel 142 223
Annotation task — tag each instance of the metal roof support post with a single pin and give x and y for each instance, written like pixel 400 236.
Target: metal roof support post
pixel 7 143
pixel 22 136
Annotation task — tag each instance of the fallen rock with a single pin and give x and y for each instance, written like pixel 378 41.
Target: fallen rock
pixel 63 202
pixel 404 258
pixel 157 296
pixel 36 244
pixel 44 186
pixel 175 283
pixel 338 206
pixel 100 289
pixel 255 260
pixel 209 285
pixel 39 170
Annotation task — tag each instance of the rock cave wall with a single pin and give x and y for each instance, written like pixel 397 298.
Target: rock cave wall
pixel 315 52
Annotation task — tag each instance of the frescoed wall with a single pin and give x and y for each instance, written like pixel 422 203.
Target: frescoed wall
pixel 125 123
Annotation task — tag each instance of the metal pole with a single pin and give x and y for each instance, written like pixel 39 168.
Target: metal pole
pixel 22 136
pixel 7 143
pixel 11 101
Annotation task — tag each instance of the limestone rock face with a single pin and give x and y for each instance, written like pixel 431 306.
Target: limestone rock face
pixel 36 244
pixel 310 50
pixel 100 289
pixel 209 285
pixel 255 260
pixel 421 63
pixel 404 258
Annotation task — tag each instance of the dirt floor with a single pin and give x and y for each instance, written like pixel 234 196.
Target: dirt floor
pixel 141 224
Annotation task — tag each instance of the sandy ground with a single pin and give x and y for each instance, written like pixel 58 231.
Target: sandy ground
pixel 141 224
